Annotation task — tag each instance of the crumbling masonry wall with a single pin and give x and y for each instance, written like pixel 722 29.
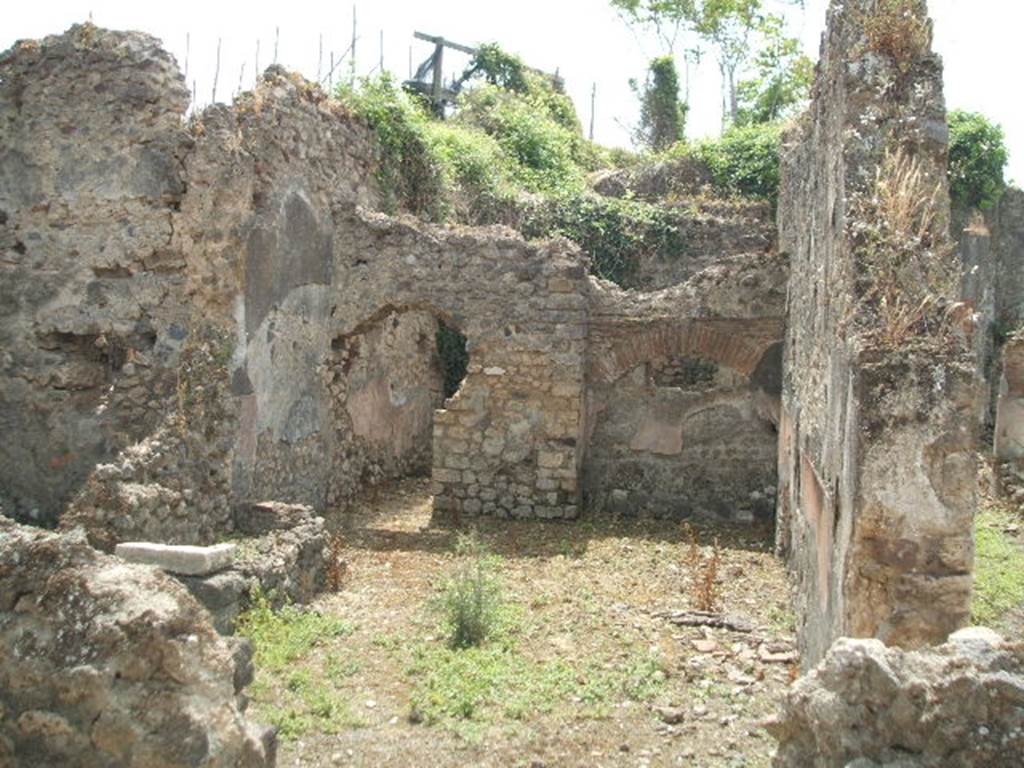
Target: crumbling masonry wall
pixel 91 288
pixel 284 331
pixel 876 463
pixel 683 405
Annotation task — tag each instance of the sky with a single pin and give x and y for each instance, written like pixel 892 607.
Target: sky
pixel 584 40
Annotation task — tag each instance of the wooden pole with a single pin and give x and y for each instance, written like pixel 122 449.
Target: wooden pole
pixel 319 57
pixel 216 74
pixel 593 102
pixel 330 75
pixel 435 88
pixel 188 46
pixel 277 37
pixel 352 48
pixel 257 58
pixel 382 51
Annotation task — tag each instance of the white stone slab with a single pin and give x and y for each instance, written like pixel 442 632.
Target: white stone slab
pixel 178 558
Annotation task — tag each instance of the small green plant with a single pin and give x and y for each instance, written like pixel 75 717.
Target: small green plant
pixel 998 569
pixel 284 636
pixel 977 158
pixel 471 600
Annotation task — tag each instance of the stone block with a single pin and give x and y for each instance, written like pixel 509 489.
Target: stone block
pixel 178 558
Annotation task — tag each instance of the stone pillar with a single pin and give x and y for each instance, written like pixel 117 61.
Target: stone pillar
pixel 878 430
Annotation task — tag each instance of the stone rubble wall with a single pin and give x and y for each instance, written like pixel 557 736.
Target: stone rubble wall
pixel 876 450
pixel 683 395
pixel 92 309
pixel 1007 225
pixel 297 326
pixel 108 664
pixel 870 706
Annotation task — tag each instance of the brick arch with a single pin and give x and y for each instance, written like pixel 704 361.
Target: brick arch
pixel 736 344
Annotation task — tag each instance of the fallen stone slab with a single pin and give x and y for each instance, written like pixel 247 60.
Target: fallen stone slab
pixel 178 558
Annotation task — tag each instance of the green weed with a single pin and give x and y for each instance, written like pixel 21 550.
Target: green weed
pixel 287 635
pixel 998 569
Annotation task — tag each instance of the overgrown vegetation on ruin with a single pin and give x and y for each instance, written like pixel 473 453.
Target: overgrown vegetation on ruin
pixel 513 153
pixel 897 29
pixel 910 276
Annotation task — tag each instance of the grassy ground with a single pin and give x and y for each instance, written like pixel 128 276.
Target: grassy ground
pixel 578 670
pixel 998 599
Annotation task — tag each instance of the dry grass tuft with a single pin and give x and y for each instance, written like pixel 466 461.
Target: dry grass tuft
pixel 337 568
pixel 705 585
pixel 898 29
pixel 907 255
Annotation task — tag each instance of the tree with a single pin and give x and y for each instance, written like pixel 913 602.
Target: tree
pixel 728 24
pixel 662 116
pixel 725 25
pixel 782 77
pixel 977 157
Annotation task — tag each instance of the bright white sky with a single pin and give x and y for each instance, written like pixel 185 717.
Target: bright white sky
pixel 583 39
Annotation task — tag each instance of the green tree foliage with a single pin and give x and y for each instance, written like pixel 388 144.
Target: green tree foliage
pixel 977 158
pixel 726 25
pixel 781 79
pixel 662 116
pixel 499 68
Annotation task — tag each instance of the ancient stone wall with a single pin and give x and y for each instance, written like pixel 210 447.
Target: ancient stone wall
pixel 92 315
pixel 869 705
pixel 1007 225
pixel 876 465
pixel 682 410
pixel 296 327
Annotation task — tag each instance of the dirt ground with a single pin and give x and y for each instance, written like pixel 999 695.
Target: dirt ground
pixel 592 675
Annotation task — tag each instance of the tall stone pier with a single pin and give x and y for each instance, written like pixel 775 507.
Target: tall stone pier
pixel 876 462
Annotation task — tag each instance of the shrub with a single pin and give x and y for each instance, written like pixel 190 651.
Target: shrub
pixel 545 155
pixel 408 171
pixel 616 233
pixel 472 597
pixel 744 161
pixel 977 157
